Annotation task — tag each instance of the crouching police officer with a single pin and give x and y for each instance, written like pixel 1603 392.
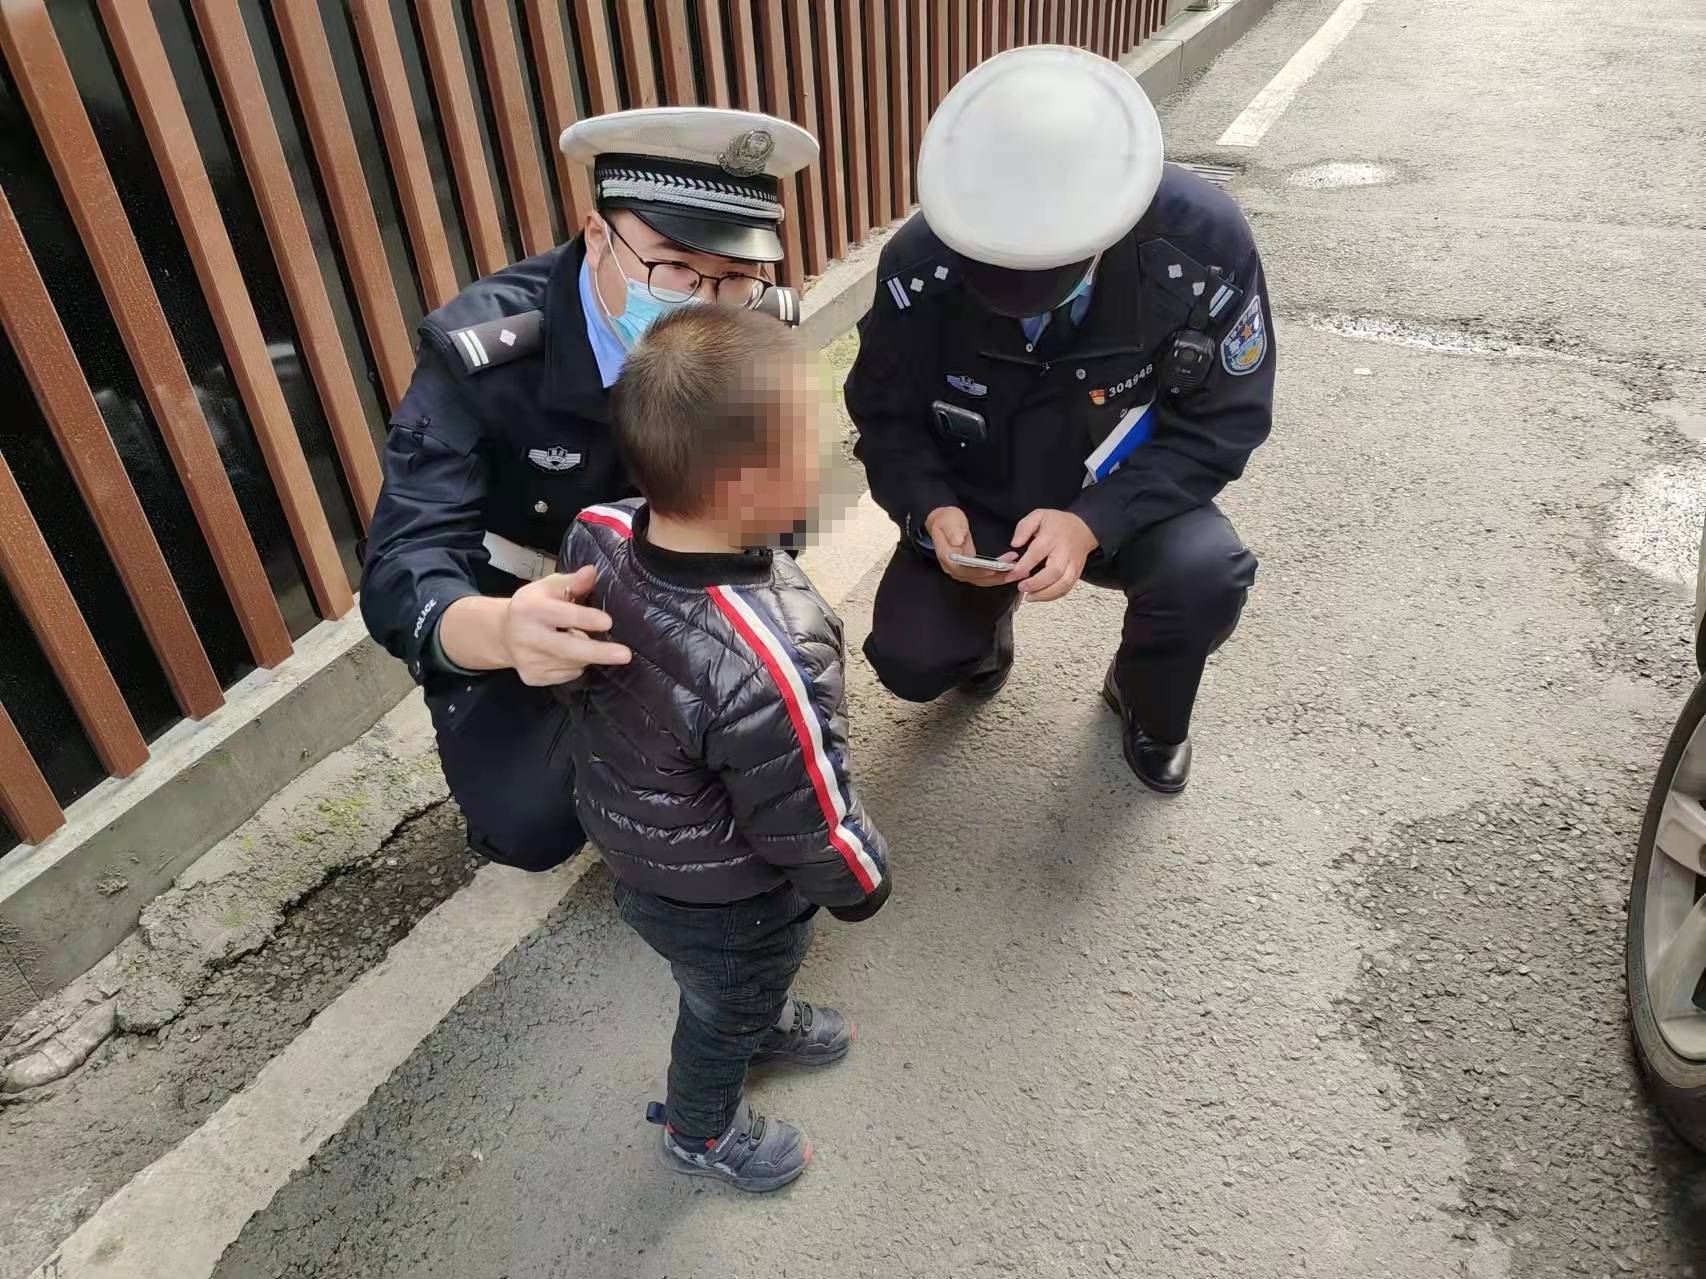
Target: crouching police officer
pixel 1069 356
pixel 503 437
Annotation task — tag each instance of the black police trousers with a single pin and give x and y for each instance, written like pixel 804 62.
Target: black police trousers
pixel 1185 581
pixel 734 965
pixel 506 756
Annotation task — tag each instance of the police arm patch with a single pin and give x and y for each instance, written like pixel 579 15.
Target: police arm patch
pixel 1245 346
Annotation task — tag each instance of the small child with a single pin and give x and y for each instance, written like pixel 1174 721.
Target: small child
pixel 712 769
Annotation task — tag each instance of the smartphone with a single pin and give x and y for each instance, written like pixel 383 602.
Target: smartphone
pixel 978 561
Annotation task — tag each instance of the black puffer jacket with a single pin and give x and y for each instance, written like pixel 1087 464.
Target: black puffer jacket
pixel 715 764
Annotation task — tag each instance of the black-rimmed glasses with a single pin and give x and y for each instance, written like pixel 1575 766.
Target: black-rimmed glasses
pixel 677 282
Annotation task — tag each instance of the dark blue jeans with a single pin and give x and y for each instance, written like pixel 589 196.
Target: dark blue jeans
pixel 735 965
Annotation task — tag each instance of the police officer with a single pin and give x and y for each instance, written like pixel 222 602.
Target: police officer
pixel 503 437
pixel 1069 356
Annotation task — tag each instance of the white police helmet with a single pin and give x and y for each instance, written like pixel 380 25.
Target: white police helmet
pixel 1036 161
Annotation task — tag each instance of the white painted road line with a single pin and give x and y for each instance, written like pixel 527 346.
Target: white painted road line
pixel 1270 104
pixel 178 1215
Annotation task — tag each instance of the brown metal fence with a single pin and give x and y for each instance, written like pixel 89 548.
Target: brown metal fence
pixel 220 221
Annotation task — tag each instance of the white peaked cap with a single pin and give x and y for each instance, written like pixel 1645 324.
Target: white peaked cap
pixel 1039 157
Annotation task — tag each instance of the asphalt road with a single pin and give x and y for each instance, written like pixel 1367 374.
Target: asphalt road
pixel 1352 1006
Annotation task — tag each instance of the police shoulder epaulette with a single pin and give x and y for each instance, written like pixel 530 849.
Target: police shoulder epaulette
pixel 922 279
pixel 1185 278
pixel 501 341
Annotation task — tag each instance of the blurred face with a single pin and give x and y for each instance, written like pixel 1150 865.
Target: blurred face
pixel 620 245
pixel 767 501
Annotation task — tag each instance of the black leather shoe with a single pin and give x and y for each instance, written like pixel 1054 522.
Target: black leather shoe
pixel 1161 766
pixel 989 681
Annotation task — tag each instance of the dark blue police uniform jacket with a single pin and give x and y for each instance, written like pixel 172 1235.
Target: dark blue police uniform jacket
pixel 1047 405
pixel 515 440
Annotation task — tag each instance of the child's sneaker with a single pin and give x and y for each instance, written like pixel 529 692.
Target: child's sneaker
pixel 755 1154
pixel 818 1037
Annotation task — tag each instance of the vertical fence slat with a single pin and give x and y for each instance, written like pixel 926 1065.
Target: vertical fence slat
pixel 713 45
pixel 743 27
pixel 268 172
pixel 977 47
pixel 316 78
pixel 795 265
pixel 598 57
pixel 556 89
pixel 923 102
pixel 875 53
pixel 634 27
pixel 395 105
pixel 142 58
pixel 44 350
pixel 25 797
pixel 854 102
pixel 813 208
pixel 833 159
pixel 50 94
pixel 37 584
pixel 899 57
pixel 676 45
pixel 455 96
pixel 941 48
pixel 964 39
pixel 515 125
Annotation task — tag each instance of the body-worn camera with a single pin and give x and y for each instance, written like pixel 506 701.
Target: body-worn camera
pixel 1189 361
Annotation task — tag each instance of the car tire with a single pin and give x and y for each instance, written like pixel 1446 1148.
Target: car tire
pixel 1676 1083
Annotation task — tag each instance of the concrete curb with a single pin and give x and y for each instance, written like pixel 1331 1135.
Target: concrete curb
pixel 1186 45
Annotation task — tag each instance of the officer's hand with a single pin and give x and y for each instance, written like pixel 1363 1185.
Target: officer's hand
pixel 548 630
pixel 1056 545
pixel 950 532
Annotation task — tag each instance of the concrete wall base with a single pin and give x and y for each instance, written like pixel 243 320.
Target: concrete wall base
pixel 66 902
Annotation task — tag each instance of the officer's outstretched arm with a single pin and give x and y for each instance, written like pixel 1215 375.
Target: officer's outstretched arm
pixel 426 533
pixel 1203 438
pixel 780 748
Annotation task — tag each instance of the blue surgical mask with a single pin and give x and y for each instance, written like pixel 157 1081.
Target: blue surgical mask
pixel 641 310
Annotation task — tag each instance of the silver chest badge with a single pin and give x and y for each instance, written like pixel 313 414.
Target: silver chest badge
pixel 555 458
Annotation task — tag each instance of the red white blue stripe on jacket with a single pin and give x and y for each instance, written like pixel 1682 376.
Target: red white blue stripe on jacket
pixel 772 648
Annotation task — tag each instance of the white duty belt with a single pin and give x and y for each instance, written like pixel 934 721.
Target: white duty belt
pixel 518 560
